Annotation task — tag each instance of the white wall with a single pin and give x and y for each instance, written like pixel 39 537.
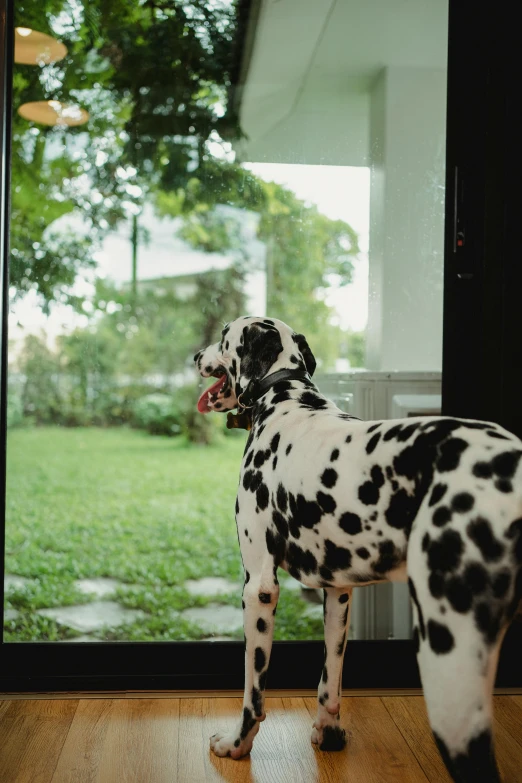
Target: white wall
pixel 407 147
pixel 325 127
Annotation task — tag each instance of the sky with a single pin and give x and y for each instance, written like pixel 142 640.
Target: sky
pixel 340 192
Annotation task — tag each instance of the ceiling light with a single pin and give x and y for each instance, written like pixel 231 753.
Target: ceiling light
pixel 34 48
pixel 53 113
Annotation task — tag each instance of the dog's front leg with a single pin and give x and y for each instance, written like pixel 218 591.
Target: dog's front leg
pixel 260 596
pixel 327 732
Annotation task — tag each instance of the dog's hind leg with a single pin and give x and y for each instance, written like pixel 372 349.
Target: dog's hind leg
pixel 457 656
pixel 260 596
pixel 327 732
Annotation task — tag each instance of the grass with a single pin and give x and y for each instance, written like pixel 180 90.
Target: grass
pixel 149 511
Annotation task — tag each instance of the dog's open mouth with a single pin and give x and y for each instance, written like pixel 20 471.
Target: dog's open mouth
pixel 212 392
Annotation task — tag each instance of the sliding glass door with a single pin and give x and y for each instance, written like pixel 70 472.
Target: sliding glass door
pixel 174 165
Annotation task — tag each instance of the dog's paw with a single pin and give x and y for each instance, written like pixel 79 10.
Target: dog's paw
pixel 230 745
pixel 329 737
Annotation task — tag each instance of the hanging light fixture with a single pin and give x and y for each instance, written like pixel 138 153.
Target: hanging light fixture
pixel 53 113
pixel 34 48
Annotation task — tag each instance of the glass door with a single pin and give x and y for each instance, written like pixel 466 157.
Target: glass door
pixel 175 165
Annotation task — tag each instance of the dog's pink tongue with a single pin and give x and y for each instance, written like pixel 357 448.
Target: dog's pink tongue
pixel 203 406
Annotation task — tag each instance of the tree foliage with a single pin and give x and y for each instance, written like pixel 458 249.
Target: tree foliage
pixel 154 78
pixel 157 79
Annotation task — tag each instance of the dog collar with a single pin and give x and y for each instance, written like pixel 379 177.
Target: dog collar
pixel 254 391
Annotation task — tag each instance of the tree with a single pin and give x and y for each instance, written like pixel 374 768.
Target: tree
pixel 304 249
pixel 157 78
pixel 40 368
pixel 152 113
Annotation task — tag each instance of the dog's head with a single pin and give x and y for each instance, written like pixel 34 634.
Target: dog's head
pixel 249 349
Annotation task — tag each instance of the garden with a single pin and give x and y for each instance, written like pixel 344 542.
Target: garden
pixel 148 513
pixel 120 495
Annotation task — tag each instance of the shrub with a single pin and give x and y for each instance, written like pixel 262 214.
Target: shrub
pixel 15 409
pixel 175 414
pixel 196 427
pixel 157 413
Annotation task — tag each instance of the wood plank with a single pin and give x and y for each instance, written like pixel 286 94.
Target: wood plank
pixel 509 754
pixel 282 749
pixel 409 715
pixel 33 734
pixel 140 742
pixel 41 709
pixel 82 751
pixel 137 740
pixel 196 724
pixel 3 707
pixel 376 751
pixel 509 715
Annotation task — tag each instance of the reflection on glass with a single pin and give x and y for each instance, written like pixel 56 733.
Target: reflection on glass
pixel 296 171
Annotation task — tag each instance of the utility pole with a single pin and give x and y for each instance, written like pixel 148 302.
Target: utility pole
pixel 134 244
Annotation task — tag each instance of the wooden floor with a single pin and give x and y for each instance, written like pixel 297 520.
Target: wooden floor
pixel 155 740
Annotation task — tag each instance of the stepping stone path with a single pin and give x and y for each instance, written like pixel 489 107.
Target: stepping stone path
pixel 86 617
pixel 211 585
pixel 81 639
pixel 219 639
pixel 93 617
pixel 13 582
pixel 102 586
pixel 215 618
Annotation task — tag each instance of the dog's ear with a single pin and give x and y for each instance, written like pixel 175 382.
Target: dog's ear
pixel 309 358
pixel 261 347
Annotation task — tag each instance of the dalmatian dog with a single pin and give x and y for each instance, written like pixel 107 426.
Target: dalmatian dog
pixel 339 503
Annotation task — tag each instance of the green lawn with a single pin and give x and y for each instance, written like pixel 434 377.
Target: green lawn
pixel 149 511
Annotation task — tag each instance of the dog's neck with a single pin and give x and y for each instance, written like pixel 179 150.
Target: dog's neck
pixel 256 389
pixel 278 386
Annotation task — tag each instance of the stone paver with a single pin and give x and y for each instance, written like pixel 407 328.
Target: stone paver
pixel 215 618
pixel 211 585
pixel 11 614
pixel 219 639
pixel 82 638
pixel 93 617
pixel 13 582
pixel 102 586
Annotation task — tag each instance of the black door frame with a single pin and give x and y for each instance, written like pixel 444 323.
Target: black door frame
pixel 482 280
pixel 482 350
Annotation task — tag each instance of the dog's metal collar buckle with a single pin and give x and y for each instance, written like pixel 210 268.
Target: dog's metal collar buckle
pixel 241 405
